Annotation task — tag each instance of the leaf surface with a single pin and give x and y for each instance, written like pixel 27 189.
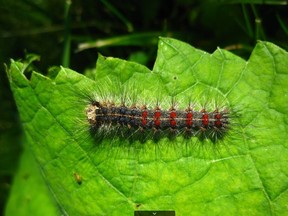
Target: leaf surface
pixel 245 173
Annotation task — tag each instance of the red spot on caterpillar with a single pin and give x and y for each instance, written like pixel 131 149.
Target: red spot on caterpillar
pixel 144 117
pixel 205 118
pixel 189 119
pixel 157 115
pixel 173 115
pixel 218 117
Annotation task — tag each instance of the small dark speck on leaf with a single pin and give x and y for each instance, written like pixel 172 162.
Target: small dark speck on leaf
pixel 78 178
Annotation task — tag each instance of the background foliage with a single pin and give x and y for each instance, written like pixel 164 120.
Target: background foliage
pixel 73 34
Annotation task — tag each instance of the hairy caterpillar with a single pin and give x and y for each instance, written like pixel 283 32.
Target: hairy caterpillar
pixel 141 119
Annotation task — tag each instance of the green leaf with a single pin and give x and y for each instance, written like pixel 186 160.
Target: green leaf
pixel 245 173
pixel 30 194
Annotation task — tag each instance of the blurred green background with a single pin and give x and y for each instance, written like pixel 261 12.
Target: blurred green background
pixel 71 33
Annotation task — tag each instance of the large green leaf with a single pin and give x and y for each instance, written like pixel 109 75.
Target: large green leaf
pixel 244 173
pixel 29 194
